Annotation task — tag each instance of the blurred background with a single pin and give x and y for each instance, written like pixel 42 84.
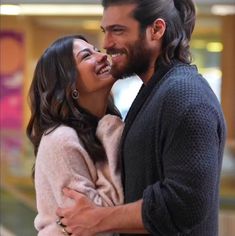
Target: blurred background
pixel 28 27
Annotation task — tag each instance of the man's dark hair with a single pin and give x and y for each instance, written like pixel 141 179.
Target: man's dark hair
pixel 179 16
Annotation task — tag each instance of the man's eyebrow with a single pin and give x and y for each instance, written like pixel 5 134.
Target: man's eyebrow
pixel 110 27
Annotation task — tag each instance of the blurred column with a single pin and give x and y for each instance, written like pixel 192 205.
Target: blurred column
pixel 19 159
pixel 228 75
pixel 29 67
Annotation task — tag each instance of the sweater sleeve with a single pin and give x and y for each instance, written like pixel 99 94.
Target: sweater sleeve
pixel 61 161
pixel 108 183
pixel 191 164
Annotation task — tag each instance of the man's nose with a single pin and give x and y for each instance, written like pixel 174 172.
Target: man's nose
pixel 108 41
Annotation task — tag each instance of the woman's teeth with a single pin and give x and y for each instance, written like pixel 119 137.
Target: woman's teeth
pixel 104 70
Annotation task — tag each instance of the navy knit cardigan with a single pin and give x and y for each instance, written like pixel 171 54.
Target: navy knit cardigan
pixel 172 150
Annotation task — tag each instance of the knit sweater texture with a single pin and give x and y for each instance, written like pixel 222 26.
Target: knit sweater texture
pixel 62 161
pixel 172 149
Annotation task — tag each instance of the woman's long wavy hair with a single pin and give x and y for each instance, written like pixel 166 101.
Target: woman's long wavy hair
pixel 51 102
pixel 179 15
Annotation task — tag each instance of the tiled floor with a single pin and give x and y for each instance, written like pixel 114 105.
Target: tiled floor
pixel 16 217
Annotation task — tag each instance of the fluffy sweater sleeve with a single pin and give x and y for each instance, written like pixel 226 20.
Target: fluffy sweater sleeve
pixel 62 161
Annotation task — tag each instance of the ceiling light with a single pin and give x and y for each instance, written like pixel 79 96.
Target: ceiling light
pixel 223 10
pixel 53 9
pixel 9 9
pixel 214 47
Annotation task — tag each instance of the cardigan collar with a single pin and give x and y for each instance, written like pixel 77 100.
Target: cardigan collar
pixel 145 90
pixel 140 99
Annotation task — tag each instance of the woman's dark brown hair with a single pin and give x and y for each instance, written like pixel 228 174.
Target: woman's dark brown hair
pixel 51 102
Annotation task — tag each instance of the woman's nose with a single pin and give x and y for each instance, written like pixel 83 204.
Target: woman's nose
pixel 102 57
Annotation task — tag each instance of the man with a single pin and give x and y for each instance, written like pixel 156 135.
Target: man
pixel 174 135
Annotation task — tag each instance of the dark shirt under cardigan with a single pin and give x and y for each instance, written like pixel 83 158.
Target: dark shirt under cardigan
pixel 172 152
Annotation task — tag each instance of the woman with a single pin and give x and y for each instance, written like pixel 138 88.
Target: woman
pixel 75 129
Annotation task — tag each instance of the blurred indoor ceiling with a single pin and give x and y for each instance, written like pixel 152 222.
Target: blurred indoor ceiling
pixel 93 7
pixel 96 1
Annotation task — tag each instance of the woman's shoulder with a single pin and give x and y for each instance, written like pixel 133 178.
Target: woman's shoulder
pixel 61 129
pixel 59 141
pixel 59 135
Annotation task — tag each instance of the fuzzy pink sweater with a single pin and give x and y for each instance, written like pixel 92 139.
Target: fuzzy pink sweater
pixel 62 161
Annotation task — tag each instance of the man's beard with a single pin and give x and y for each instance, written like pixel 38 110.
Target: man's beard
pixel 139 59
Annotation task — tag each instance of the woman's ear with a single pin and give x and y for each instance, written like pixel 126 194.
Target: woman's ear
pixel 158 29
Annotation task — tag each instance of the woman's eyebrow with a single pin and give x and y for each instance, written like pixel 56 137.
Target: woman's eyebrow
pixel 87 50
pixel 83 50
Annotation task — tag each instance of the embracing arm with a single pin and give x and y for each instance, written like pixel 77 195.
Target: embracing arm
pixel 85 218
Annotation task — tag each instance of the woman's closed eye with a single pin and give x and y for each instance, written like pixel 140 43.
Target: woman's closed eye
pixel 86 55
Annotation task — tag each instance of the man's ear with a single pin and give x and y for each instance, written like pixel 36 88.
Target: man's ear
pixel 158 29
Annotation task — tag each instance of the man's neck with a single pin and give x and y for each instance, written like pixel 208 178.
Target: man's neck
pixel 147 75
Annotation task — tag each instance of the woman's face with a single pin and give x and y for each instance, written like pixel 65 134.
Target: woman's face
pixel 93 67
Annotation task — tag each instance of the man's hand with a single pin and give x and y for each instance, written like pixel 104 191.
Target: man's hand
pixel 87 219
pixel 82 218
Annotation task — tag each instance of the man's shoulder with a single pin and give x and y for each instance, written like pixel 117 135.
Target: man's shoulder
pixel 184 78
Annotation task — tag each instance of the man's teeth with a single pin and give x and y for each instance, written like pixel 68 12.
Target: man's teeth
pixel 105 69
pixel 116 54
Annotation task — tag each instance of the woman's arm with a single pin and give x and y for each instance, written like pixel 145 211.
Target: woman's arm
pixel 61 161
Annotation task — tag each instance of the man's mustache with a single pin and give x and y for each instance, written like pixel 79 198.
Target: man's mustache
pixel 111 51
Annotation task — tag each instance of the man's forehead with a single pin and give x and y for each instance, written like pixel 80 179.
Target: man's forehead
pixel 117 15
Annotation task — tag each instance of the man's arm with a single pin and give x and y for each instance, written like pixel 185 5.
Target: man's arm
pixel 85 218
